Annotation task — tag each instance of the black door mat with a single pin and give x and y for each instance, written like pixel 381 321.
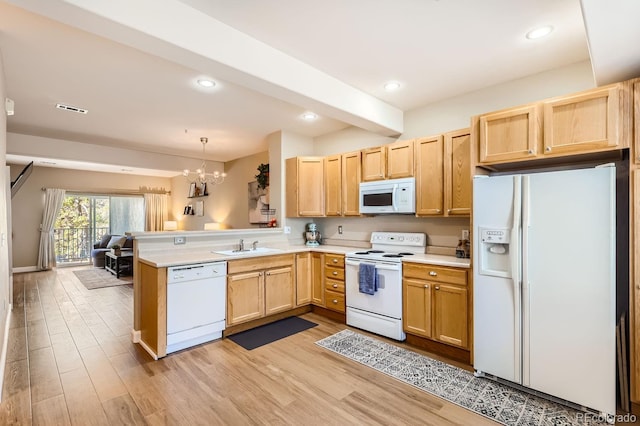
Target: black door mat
pixel 268 333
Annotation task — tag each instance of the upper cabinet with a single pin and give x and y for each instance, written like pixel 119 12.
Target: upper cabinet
pixel 443 174
pixel 342 184
pixel 391 161
pixel 586 122
pixel 305 186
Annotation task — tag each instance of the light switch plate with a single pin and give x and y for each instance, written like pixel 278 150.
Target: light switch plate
pixel 179 240
pixel 287 229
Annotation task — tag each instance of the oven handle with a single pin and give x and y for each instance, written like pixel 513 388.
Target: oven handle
pixel 385 266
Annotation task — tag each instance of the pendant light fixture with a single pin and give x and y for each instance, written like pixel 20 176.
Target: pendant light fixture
pixel 200 176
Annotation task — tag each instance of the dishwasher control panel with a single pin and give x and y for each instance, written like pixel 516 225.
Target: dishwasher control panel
pixel 196 271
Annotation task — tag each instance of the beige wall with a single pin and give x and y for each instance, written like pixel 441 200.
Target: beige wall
pixel 5 245
pixel 27 205
pixel 227 203
pixel 440 117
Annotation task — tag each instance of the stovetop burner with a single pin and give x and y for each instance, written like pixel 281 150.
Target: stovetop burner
pixel 391 255
pixel 405 253
pixel 375 251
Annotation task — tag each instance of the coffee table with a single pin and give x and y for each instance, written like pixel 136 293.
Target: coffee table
pixel 121 264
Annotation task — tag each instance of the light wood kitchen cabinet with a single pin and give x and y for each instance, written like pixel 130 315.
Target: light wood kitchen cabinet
pixel 305 187
pixel 153 308
pixel 317 281
pixel 392 161
pixel 342 184
pixel 303 279
pixel 634 288
pixel 635 87
pixel 351 173
pixel 416 308
pixel 436 303
pixel 334 282
pixel 258 287
pixel 510 135
pixel 333 185
pixel 429 167
pixel 374 163
pixel 400 159
pixel 585 122
pixel 457 173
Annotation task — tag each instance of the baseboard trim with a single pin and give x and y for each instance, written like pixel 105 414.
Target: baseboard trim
pixel 22 269
pixel 3 356
pixel 265 320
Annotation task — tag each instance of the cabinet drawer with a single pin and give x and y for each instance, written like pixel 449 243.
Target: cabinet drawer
pixel 336 260
pixel 334 301
pixel 259 263
pixel 334 273
pixel 435 273
pixel 333 285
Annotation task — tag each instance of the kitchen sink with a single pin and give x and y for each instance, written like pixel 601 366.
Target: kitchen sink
pixel 248 252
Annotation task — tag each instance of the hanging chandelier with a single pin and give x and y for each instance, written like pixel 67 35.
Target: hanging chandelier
pixel 200 176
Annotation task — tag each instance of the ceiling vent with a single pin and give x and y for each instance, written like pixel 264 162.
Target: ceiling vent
pixel 72 108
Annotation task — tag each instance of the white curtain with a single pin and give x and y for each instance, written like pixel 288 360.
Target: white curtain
pixel 53 199
pixel 155 211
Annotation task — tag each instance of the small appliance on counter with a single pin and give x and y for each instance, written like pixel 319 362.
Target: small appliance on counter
pixel 463 250
pixel 312 235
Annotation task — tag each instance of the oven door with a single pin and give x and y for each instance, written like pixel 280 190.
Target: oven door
pixel 387 300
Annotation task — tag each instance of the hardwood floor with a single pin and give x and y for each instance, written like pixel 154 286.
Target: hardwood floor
pixel 71 361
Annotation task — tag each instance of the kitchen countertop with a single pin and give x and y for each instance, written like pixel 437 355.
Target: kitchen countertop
pixel 187 257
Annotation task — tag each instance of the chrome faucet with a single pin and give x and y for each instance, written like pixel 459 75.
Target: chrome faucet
pixel 255 245
pixel 241 245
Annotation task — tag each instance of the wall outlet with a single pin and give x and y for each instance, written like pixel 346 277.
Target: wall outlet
pixel 465 234
pixel 179 240
pixel 287 229
pixel 340 229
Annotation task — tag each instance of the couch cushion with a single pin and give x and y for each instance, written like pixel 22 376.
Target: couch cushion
pixel 128 243
pixel 116 239
pixel 105 240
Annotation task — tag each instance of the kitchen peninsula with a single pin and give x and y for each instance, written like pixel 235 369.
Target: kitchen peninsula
pixel 261 287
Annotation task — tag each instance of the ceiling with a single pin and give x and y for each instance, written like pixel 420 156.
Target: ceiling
pixel 134 66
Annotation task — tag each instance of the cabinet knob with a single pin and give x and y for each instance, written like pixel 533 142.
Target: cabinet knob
pixel 335 301
pixel 448 210
pixel 335 272
pixel 335 260
pixel 548 149
pixel 437 287
pixel 426 286
pixel 438 210
pixel 335 286
pixel 530 151
pixel 433 273
pixel 268 274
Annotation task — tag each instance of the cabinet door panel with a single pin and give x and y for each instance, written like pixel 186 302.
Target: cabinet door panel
pixel 582 123
pixel 510 135
pixel 303 279
pixel 245 297
pixel 429 171
pixel 317 279
pixel 458 173
pixel 417 307
pixel 400 159
pixel 333 185
pixel 450 307
pixel 278 291
pixel 311 186
pixel 351 172
pixel 374 164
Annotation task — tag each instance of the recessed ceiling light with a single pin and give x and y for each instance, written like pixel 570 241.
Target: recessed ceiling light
pixel 206 83
pixel 390 86
pixel 539 32
pixel 309 116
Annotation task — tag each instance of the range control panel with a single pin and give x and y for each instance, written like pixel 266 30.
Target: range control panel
pixel 416 239
pixel 496 236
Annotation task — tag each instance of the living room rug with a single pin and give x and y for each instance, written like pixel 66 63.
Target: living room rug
pixel 268 333
pixel 486 397
pixel 99 278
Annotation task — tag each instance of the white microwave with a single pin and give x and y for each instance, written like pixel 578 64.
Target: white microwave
pixel 388 196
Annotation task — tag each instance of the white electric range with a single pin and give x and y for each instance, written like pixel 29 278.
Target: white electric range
pixel 381 312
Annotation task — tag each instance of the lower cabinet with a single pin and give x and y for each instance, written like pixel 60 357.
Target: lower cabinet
pixel 436 303
pixel 317 283
pixel 259 287
pixel 303 279
pixel 334 282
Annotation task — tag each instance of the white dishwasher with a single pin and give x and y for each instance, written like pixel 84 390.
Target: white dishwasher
pixel 196 304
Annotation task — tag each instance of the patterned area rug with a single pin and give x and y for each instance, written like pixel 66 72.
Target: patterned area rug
pixel 488 398
pixel 99 278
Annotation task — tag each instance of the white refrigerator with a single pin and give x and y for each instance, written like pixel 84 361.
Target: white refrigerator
pixel 544 264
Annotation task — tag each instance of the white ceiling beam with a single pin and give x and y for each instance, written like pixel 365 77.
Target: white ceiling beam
pixel 613 33
pixel 182 34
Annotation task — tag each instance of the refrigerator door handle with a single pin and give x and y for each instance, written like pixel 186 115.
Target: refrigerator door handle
pixel 525 326
pixel 515 248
